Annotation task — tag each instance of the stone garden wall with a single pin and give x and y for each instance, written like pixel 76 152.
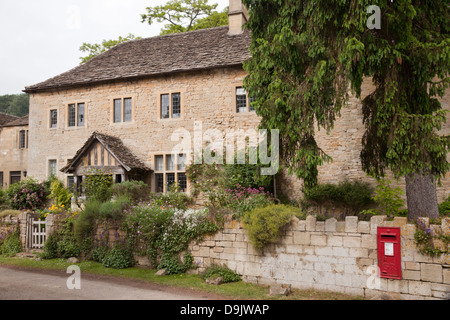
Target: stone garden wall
pixel 330 255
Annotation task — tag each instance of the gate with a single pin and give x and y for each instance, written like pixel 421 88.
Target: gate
pixel 36 232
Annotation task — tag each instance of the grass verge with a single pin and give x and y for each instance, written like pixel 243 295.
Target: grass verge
pixel 236 290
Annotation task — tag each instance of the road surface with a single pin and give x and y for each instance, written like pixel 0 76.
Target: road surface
pixel 32 285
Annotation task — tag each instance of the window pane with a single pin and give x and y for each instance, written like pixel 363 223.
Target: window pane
pixel 170 165
pixel 71 115
pixel 71 183
pixel 22 139
pixel 53 118
pixel 118 110
pixel 165 106
pixel 181 162
pixel 81 114
pixel 159 182
pixel 182 181
pixel 159 163
pixel 241 100
pixel 52 167
pixel 127 110
pixel 176 105
pixel 251 107
pixel 170 180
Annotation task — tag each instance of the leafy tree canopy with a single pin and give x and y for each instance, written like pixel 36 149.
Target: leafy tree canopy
pixel 186 15
pixel 306 54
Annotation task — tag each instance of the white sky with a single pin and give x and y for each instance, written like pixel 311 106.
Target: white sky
pixel 40 39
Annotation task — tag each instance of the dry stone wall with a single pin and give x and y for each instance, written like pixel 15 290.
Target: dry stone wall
pixel 331 255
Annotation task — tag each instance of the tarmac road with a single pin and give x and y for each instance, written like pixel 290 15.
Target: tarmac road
pixel 32 285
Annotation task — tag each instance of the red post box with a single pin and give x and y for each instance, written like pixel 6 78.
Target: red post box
pixel 389 253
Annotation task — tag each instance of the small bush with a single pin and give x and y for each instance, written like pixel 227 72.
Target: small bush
pixel 444 208
pixel 119 257
pixel 11 245
pixel 61 196
pixel 263 224
pixel 136 191
pixel 353 195
pixel 221 271
pixel 98 186
pixel 99 253
pixel 27 194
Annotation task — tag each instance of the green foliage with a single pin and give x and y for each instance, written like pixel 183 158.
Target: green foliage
pixel 353 195
pixel 62 243
pixel 263 224
pixel 136 191
pixel 15 104
pixel 444 208
pixel 240 199
pixel 5 202
pixel 27 194
pixel 113 210
pixel 221 271
pixel 389 200
pixel 59 194
pixel 185 15
pixel 163 233
pixel 11 244
pixel 174 198
pixel 94 49
pixel 98 186
pixel 424 237
pixel 119 257
pixel 304 55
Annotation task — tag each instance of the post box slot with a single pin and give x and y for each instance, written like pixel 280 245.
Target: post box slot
pixel 388 236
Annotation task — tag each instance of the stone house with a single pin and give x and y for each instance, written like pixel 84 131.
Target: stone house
pixel 13 149
pixel 136 95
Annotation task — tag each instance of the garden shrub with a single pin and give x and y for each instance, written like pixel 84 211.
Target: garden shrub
pixel 63 243
pixel 240 199
pixel 119 257
pixel 27 194
pixel 353 195
pixel 221 271
pixel 113 210
pixel 98 186
pixel 164 233
pixel 11 244
pixel 444 208
pixel 263 224
pixel 388 200
pixel 5 202
pixel 136 191
pixel 86 222
pixel 60 195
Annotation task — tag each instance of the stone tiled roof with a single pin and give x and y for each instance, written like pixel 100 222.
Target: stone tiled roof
pixel 187 51
pixel 17 122
pixel 6 118
pixel 114 146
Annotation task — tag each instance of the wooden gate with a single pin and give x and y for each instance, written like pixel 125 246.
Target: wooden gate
pixel 36 232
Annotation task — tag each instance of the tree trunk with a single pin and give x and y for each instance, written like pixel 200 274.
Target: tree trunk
pixel 421 196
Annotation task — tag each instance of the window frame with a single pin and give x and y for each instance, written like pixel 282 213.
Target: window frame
pixel 123 110
pixel 171 171
pixel 248 100
pixel 55 124
pixel 73 118
pixel 174 98
pixel 49 167
pixel 23 139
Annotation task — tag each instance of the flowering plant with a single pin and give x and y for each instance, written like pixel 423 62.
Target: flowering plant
pixel 163 233
pixel 27 194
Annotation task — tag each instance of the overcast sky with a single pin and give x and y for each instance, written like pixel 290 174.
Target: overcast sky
pixel 41 38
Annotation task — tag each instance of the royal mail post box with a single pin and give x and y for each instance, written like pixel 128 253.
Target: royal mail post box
pixel 389 253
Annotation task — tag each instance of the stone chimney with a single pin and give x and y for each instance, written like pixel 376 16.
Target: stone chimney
pixel 237 16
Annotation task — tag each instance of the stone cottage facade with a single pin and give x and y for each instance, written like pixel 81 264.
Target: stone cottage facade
pixel 13 149
pixel 140 92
